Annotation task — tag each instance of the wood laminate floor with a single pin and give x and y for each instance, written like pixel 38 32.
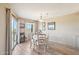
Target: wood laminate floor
pixel 53 49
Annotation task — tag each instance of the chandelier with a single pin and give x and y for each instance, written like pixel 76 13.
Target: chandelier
pixel 43 16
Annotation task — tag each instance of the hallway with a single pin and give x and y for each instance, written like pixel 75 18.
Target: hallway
pixel 53 49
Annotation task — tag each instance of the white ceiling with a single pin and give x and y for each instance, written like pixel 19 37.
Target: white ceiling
pixel 34 10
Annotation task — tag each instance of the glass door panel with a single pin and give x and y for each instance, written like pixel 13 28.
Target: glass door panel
pixel 14 35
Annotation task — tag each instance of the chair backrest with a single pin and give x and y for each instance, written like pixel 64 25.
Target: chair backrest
pixel 42 39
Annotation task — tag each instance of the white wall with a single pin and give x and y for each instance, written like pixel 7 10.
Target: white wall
pixel 2 28
pixel 67 30
pixel 2 31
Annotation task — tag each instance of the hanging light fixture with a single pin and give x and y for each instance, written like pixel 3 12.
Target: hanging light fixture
pixel 41 17
pixel 44 16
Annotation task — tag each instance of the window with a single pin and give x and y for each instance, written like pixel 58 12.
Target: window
pixel 29 26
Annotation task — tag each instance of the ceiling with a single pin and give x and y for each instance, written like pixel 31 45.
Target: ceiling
pixel 35 10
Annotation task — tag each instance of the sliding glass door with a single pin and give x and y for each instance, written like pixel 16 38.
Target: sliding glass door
pixel 14 33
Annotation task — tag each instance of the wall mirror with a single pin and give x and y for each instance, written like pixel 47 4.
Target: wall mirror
pixel 51 26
